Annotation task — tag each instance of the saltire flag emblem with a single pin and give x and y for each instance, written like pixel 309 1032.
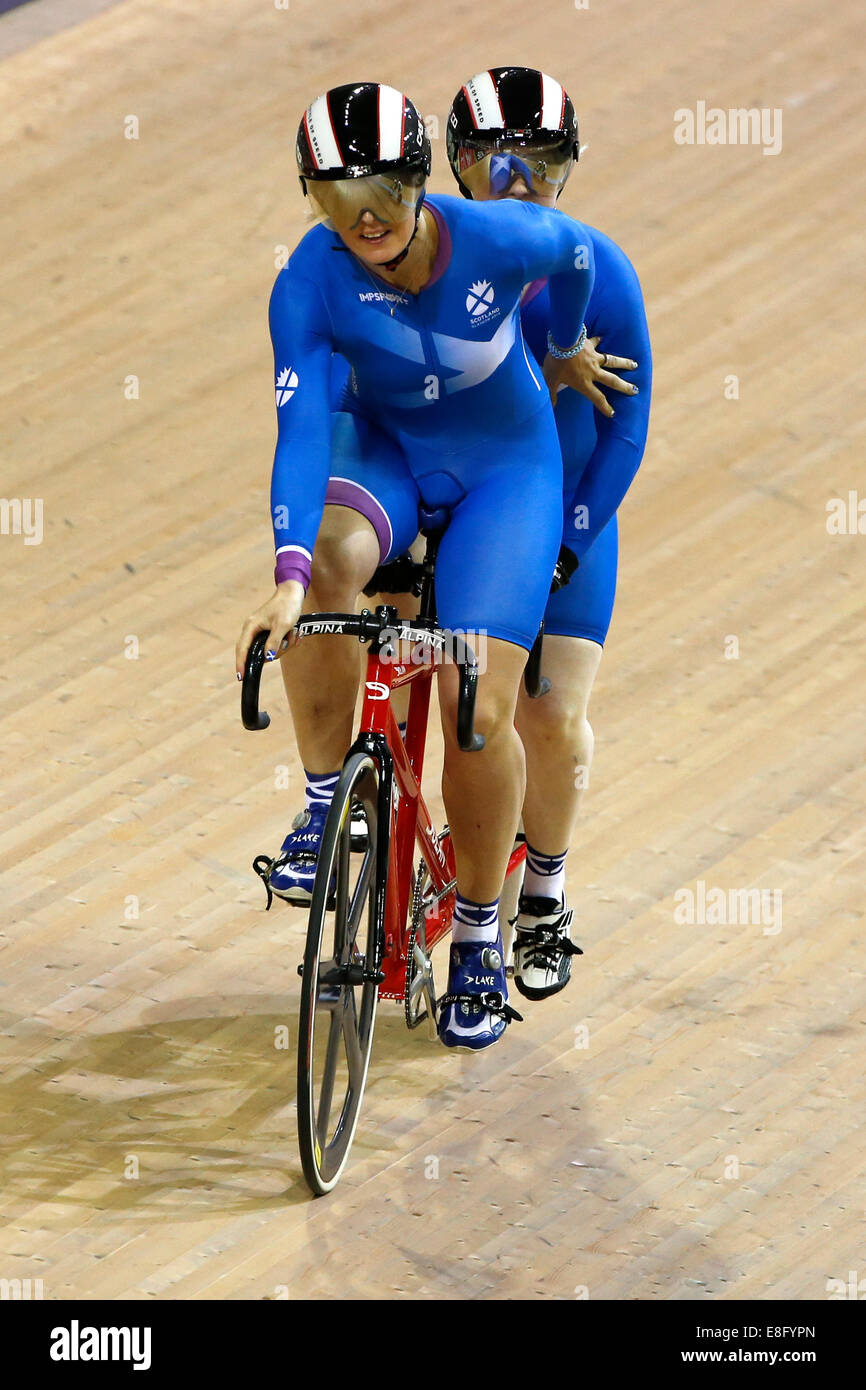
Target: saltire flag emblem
pixel 286 386
pixel 479 298
pixel 504 168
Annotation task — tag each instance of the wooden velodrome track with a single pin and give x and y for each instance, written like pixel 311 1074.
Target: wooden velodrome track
pixel 705 1143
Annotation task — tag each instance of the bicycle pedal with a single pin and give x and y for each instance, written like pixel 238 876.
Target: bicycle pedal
pixel 262 865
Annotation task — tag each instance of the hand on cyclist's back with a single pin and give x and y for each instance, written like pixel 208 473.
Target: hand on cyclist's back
pixel 584 370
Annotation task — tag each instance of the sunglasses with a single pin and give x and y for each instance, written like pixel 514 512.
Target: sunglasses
pixel 490 169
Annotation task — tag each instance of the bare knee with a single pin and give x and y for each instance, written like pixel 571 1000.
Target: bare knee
pixel 494 708
pixel 557 717
pixel 342 565
pixel 555 722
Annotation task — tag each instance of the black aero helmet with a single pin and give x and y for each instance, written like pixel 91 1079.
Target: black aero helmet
pixel 362 129
pixel 509 106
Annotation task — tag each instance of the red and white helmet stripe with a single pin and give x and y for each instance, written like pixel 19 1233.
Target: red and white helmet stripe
pixel 483 100
pixel 391 129
pixel 321 136
pixel 552 103
pixel 392 123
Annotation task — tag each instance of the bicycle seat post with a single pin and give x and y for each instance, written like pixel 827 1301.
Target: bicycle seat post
pixel 432 524
pixel 427 608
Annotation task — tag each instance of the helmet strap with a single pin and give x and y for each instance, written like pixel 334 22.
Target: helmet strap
pixel 398 260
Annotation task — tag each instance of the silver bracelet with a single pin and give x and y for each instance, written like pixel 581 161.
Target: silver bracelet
pixel 562 353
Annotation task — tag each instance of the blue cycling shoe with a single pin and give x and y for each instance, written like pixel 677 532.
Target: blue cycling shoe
pixel 292 873
pixel 475 1012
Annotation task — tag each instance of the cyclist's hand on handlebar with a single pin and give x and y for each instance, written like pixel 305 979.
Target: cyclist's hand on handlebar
pixel 584 370
pixel 278 617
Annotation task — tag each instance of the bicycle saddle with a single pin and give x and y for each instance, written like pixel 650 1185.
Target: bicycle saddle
pixel 432 521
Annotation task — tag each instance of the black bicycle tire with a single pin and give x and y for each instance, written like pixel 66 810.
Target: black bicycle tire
pixel 322 1177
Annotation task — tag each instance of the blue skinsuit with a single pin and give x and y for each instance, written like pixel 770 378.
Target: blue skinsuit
pixel 600 457
pixel 445 404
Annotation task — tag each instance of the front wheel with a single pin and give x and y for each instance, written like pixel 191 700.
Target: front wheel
pixel 340 975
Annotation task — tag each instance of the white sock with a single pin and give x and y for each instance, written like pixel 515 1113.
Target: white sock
pixel 475 921
pixel 545 874
pixel 320 788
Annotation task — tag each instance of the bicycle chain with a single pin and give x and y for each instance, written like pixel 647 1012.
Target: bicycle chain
pixel 416 910
pixel 416 916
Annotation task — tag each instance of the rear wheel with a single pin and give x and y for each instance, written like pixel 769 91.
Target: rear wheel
pixel 340 976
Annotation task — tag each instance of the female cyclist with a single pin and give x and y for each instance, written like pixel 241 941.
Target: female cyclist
pixel 445 407
pixel 512 134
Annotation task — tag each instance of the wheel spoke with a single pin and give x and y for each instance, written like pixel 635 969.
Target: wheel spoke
pixel 329 1073
pixel 352 1041
pixel 359 897
pixel 342 894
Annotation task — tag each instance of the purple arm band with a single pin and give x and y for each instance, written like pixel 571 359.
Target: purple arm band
pixel 292 565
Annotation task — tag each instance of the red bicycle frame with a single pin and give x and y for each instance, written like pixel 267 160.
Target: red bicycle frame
pixel 411 823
